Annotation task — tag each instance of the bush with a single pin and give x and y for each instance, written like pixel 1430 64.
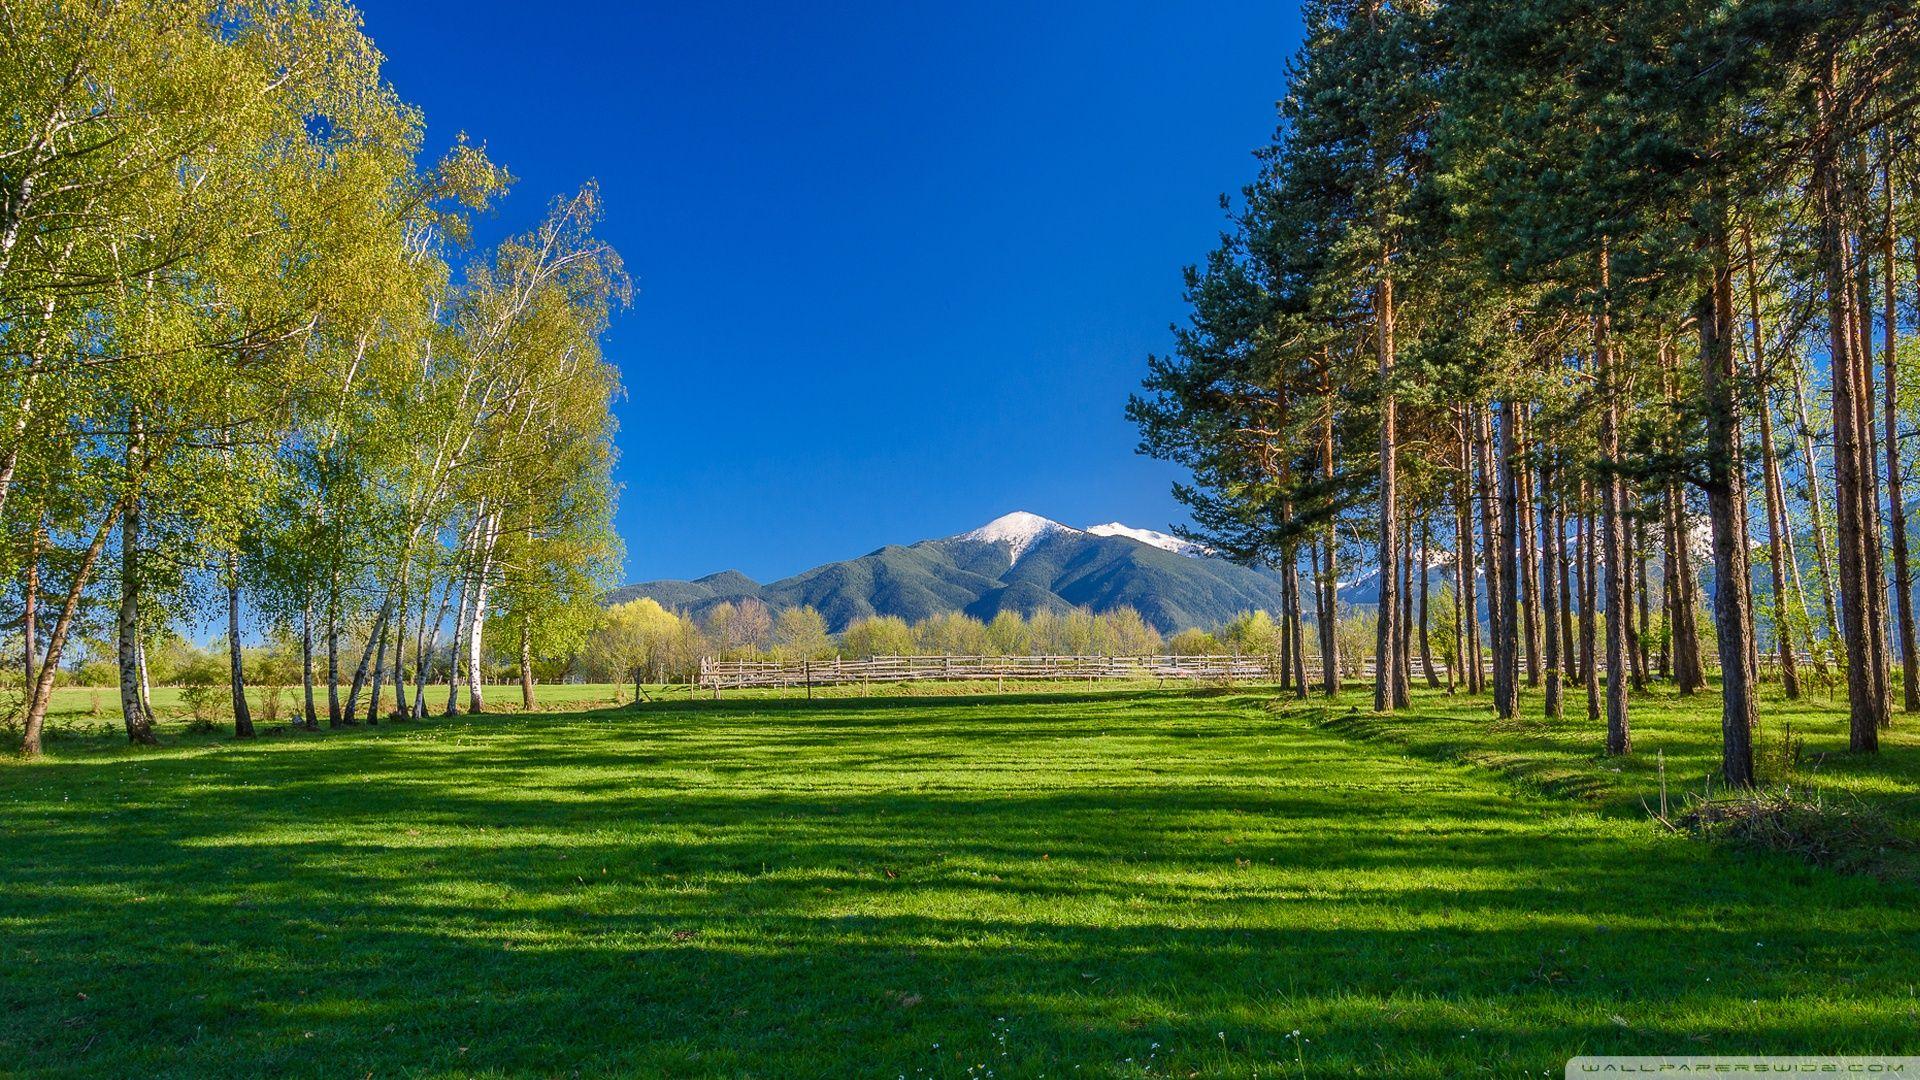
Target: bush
pixel 97 673
pixel 203 686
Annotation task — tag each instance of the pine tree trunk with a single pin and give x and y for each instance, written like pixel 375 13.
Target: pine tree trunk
pixel 1489 538
pixel 1426 643
pixel 1326 583
pixel 1689 672
pixel 1877 614
pixel 1589 575
pixel 1466 573
pixel 1550 640
pixel 1386 649
pixel 1529 599
pixel 1613 539
pixel 1569 646
pixel 1330 629
pixel 1403 674
pixel 1506 651
pixel 1896 508
pixel 1458 629
pixel 1529 595
pixel 1816 511
pixel 1779 540
pixel 1668 587
pixel 1851 489
pixel 1726 503
pixel 1642 597
pixel 236 666
pixel 1629 569
pixel 1297 634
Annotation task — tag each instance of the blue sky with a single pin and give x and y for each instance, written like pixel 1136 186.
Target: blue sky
pixel 898 265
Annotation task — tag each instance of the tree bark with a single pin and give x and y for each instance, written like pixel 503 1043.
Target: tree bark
pixel 1296 634
pixel 1612 523
pixel 1866 708
pixel 1326 582
pixel 1466 572
pixel 378 645
pixel 1726 503
pixel 1589 576
pixel 306 665
pixel 1896 508
pixel 366 658
pixel 1403 674
pixel 1529 580
pixel 1642 598
pixel 526 664
pixel 1550 640
pixel 29 607
pixel 334 717
pixel 1779 540
pixel 133 708
pixel 1387 646
pixel 41 696
pixel 1629 568
pixel 1489 537
pixel 1816 510
pixel 476 656
pixel 1569 647
pixel 1506 652
pixel 1426 643
pixel 236 666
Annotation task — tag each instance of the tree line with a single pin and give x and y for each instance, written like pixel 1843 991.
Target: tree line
pixel 250 352
pixel 1528 290
pixel 641 641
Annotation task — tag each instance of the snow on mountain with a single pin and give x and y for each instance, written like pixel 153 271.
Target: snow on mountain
pixel 1018 530
pixel 1148 536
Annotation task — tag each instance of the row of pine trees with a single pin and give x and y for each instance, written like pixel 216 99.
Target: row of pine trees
pixel 1529 289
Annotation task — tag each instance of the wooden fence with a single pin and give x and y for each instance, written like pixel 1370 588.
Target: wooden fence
pixel 739 674
pixel 717 675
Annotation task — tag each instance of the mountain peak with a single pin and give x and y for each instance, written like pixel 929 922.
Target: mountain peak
pixel 1161 540
pixel 1019 530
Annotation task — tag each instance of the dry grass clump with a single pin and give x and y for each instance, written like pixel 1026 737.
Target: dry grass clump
pixel 1842 834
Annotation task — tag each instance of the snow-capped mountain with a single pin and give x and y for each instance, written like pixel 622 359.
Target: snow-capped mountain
pixel 1018 562
pixel 1019 531
pixel 1164 541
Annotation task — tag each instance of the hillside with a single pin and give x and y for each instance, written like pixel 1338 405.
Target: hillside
pixel 1019 562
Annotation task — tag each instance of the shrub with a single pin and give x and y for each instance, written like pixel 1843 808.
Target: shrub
pixel 203 685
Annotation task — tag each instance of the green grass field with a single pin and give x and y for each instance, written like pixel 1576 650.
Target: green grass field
pixel 1126 883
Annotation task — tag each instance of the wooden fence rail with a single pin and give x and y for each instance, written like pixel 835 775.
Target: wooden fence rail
pixel 740 674
pixel 720 675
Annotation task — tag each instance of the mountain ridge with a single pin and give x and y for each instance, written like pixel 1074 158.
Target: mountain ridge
pixel 1018 562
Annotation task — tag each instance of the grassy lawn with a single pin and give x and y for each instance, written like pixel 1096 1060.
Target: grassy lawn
pixel 1801 743
pixel 1126 883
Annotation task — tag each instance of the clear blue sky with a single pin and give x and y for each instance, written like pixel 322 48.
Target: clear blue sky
pixel 898 265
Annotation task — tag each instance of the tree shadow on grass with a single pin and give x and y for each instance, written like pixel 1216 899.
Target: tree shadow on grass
pixel 530 896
